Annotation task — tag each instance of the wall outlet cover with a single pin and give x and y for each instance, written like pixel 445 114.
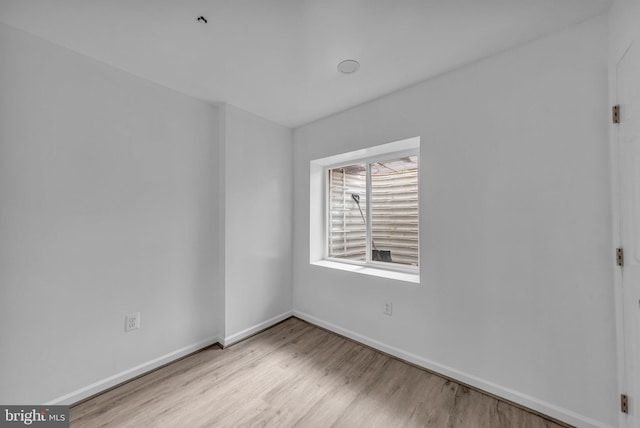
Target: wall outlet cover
pixel 388 308
pixel 132 321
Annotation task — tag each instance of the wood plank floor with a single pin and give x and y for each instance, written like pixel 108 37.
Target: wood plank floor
pixel 295 374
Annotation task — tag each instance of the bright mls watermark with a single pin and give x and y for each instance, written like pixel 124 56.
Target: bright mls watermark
pixel 34 416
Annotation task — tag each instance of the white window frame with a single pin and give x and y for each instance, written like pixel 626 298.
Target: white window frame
pixel 368 161
pixel 319 194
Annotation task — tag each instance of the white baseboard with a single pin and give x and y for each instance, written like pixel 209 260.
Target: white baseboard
pixel 118 378
pixel 123 376
pixel 236 337
pixel 508 394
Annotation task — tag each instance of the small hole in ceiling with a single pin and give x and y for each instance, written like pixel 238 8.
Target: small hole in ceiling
pixel 202 19
pixel 348 66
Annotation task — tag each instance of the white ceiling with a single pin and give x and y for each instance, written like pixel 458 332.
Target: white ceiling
pixel 278 58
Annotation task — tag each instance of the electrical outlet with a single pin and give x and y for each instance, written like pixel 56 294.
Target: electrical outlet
pixel 388 308
pixel 132 321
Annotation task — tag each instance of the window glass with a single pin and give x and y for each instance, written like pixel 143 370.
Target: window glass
pixel 394 211
pixel 347 212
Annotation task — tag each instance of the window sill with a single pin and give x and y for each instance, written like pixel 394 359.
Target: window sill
pixel 366 270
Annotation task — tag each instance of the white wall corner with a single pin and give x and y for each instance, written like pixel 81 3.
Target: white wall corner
pixel 241 335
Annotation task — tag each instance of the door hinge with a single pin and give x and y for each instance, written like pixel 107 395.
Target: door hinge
pixel 624 403
pixel 620 256
pixel 616 114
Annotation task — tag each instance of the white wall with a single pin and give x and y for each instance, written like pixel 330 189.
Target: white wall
pixel 257 223
pixel 516 265
pixel 108 205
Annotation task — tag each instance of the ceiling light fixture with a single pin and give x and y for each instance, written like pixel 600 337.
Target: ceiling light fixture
pixel 348 66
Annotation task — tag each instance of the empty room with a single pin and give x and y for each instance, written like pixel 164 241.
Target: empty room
pixel 357 213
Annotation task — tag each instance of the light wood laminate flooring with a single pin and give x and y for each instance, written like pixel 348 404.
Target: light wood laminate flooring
pixel 296 374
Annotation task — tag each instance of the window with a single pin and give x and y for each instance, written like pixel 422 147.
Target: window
pixel 372 211
pixel 363 211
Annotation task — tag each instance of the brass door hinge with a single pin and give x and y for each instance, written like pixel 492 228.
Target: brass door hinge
pixel 620 256
pixel 616 114
pixel 624 403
